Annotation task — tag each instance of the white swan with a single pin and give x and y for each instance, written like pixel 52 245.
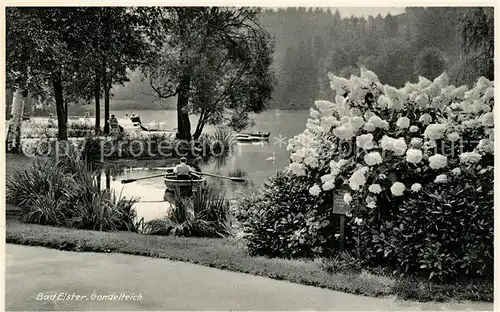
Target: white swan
pixel 271 158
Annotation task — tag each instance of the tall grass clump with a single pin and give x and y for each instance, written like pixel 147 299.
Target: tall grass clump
pixel 223 140
pixel 63 192
pixel 206 214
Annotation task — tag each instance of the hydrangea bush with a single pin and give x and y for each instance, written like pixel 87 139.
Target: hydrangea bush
pixel 416 166
pixel 390 149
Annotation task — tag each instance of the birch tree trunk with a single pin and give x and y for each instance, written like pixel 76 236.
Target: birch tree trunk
pixel 14 125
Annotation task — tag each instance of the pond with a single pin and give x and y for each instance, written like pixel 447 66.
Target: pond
pixel 250 159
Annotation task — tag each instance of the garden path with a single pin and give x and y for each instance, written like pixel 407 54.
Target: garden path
pixel 168 285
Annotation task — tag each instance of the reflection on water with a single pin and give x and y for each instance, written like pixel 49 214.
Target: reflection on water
pixel 249 160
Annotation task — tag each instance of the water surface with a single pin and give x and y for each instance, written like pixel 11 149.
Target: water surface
pixel 249 158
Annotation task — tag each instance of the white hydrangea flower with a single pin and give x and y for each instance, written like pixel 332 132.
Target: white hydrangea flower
pixel 368 114
pixel 297 169
pixel 416 142
pixel 341 163
pixel 459 93
pixel 329 185
pixel 456 171
pixel 370 202
pixel 486 146
pixel 395 101
pixel 345 120
pixel 339 84
pixel 472 123
pixel 375 188
pixel 323 106
pixel 454 136
pixel 327 177
pixel 344 132
pixel 423 82
pixel 358 221
pixel 435 131
pixel 488 94
pixel 295 157
pixel 387 142
pixel 383 101
pixel 414 129
pixel 373 158
pixel 425 119
pixel 314 113
pixel 396 104
pixel 368 75
pixel 414 95
pixel 357 122
pixel 358 179
pixel 416 187
pixel 422 100
pixel 329 122
pixel 315 190
pixel 442 80
pixel 311 161
pixel 439 102
pixel 442 178
pixel 347 198
pixel 365 141
pixel 399 146
pixel 433 90
pixel 414 156
pixel 438 161
pixel 376 121
pixel 470 157
pixel 488 120
pixel 403 122
pixel 369 127
pixel 397 189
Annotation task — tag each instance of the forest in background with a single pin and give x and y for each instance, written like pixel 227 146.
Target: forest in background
pixel 310 42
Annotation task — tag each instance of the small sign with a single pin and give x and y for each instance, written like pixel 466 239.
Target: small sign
pixel 339 205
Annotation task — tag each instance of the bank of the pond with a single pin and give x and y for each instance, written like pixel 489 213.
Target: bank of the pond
pixel 229 254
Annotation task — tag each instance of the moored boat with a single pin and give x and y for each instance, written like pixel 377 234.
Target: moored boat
pixel 255 135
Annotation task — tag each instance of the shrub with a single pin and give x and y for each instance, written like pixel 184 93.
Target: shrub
pixel 61 192
pixel 393 148
pixel 284 220
pixel 204 215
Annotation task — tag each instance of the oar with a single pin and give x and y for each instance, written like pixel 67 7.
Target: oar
pixel 234 179
pixel 126 181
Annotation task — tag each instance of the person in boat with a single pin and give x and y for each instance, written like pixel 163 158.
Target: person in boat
pixel 184 172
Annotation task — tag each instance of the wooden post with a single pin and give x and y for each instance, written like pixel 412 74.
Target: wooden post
pixel 342 236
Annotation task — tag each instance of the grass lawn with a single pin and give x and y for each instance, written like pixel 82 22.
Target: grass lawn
pixel 230 254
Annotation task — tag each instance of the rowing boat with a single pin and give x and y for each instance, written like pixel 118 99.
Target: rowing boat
pixel 171 180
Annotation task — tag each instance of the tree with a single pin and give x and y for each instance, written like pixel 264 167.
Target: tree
pixel 430 63
pixel 114 36
pixel 476 45
pixel 41 45
pixel 215 60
